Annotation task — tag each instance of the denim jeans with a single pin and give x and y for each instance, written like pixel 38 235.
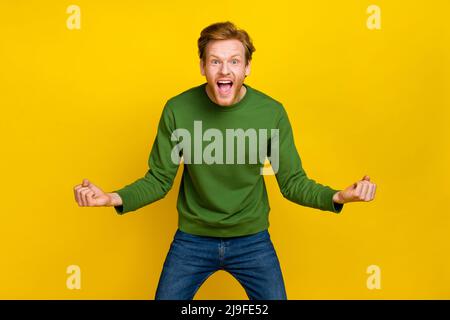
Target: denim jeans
pixel 251 259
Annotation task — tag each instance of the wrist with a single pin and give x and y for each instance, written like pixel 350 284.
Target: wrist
pixel 114 199
pixel 337 197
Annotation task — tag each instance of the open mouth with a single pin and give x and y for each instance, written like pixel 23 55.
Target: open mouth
pixel 224 86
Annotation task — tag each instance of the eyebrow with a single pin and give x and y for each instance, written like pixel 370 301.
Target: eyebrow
pixel 235 55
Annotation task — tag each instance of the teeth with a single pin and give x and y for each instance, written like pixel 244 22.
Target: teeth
pixel 224 81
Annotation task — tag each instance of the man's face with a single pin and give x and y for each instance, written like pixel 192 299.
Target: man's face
pixel 225 70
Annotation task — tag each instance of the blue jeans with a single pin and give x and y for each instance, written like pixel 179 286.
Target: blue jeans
pixel 251 259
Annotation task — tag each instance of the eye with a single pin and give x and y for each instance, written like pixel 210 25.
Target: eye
pixel 215 61
pixel 235 61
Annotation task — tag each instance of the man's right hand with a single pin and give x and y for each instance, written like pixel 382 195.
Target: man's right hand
pixel 89 195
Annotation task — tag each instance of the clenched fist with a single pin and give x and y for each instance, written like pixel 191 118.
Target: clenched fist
pixel 89 195
pixel 363 190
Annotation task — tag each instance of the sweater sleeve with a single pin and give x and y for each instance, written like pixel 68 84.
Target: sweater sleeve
pixel 158 180
pixel 293 182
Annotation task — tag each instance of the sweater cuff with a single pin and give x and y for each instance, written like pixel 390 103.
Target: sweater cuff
pixel 127 201
pixel 330 204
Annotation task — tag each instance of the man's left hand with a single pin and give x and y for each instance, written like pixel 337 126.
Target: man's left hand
pixel 362 190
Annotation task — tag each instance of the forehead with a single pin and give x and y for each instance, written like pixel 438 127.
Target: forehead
pixel 225 48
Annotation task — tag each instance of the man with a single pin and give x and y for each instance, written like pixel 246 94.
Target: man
pixel 222 204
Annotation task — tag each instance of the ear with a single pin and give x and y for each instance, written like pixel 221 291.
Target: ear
pixel 248 68
pixel 202 67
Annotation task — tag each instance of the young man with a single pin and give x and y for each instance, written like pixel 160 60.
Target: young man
pixel 222 203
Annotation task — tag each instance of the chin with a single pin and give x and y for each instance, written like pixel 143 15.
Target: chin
pixel 225 101
pixel 226 98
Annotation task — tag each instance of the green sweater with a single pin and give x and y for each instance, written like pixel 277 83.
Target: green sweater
pixel 230 198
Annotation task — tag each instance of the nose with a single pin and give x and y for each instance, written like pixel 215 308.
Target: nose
pixel 225 69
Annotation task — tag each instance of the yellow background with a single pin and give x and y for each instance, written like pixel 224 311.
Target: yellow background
pixel 86 103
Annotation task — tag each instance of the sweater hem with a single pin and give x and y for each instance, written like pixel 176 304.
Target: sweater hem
pixel 224 231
